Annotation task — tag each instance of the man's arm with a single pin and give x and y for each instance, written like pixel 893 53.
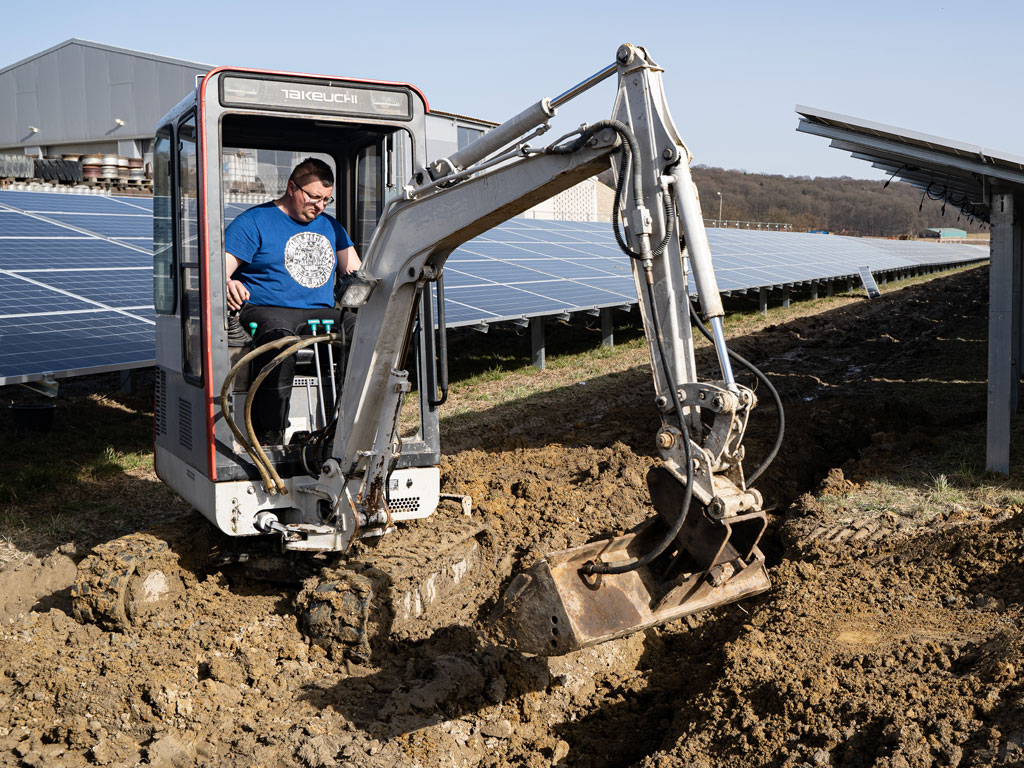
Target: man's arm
pixel 348 260
pixel 237 294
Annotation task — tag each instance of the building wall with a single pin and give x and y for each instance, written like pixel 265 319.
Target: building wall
pixel 447 133
pixel 74 92
pixel 590 200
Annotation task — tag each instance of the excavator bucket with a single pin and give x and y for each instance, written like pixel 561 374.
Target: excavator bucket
pixel 554 608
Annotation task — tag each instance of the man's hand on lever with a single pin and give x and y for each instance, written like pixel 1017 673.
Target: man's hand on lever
pixel 237 294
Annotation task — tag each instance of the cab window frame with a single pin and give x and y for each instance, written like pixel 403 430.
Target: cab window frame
pixel 188 271
pixel 165 261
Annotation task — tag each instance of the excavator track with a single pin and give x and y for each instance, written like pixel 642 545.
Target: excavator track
pixel 124 579
pixel 411 585
pixel 130 577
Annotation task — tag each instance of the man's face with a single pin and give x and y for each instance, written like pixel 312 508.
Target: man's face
pixel 307 201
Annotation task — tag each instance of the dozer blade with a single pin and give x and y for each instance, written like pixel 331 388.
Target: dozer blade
pixel 554 608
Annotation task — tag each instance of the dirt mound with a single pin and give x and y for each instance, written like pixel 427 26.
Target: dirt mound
pixel 891 637
pixel 907 656
pixel 33 584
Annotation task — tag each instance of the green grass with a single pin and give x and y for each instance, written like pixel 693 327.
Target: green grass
pixel 927 486
pixel 90 474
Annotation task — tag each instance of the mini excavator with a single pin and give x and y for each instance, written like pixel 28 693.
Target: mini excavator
pixel 348 471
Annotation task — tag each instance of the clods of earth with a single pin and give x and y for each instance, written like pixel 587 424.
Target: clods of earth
pixel 888 639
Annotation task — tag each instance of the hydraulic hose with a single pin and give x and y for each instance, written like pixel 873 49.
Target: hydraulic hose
pixel 632 150
pixel 302 344
pixel 779 410
pixel 591 567
pixel 631 144
pixel 225 408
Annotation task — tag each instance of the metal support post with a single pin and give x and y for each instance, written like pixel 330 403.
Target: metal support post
pixel 537 339
pixel 1003 369
pixel 127 381
pixel 814 289
pixel 830 287
pixel 785 297
pixel 1016 315
pixel 762 298
pixel 849 285
pixel 607 328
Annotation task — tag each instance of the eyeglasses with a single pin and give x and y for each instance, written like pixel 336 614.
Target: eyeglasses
pixel 315 199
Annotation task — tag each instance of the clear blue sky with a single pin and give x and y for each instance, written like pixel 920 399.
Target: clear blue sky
pixel 734 70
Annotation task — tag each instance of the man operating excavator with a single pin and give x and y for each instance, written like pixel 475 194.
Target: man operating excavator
pixel 281 259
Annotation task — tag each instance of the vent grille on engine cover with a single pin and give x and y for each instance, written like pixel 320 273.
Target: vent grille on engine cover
pixel 160 402
pixel 185 423
pixel 405 504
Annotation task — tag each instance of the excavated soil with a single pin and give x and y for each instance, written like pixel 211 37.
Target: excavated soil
pixel 886 639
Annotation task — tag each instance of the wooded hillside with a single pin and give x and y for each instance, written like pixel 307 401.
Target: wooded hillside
pixel 841 205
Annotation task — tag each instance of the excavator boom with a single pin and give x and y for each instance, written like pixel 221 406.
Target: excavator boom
pixel 700 549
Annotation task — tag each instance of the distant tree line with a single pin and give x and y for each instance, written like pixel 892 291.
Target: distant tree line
pixel 841 205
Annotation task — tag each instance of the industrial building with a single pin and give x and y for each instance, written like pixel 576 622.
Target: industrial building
pixel 81 99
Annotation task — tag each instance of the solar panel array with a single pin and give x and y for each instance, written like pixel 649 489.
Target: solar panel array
pixel 76 284
pixel 76 291
pixel 529 267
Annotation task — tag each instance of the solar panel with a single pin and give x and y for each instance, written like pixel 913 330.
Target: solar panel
pixel 21 296
pixel 16 224
pixel 116 225
pixel 34 253
pixel 591 272
pixel 119 288
pixel 53 202
pixel 76 284
pixel 66 344
pixel 76 275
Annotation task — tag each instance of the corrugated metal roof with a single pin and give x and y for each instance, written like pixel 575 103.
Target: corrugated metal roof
pixel 80 92
pixel 105 47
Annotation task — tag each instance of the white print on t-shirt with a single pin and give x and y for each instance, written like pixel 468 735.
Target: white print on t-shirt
pixel 309 259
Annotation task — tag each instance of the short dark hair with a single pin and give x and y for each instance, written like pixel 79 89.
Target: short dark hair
pixel 312 168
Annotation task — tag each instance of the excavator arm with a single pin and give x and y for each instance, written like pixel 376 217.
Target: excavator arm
pixel 700 549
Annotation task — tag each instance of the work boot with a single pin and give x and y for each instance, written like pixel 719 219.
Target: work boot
pixel 271 437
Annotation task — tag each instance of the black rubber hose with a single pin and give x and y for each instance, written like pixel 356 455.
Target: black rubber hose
pixel 591 567
pixel 632 150
pixel 779 410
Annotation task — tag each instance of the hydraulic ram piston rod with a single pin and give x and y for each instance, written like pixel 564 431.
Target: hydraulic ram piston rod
pixel 531 117
pixel 584 85
pixel 691 221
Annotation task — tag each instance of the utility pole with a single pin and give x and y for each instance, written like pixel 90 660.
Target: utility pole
pixel 719 208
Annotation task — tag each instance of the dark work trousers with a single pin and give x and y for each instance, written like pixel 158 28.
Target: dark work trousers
pixel 272 400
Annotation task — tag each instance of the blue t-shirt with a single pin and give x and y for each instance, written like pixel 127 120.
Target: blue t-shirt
pixel 286 263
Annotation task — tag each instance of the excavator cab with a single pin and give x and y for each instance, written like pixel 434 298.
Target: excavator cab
pixel 228 146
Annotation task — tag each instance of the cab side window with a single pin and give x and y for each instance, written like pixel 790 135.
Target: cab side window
pixel 165 295
pixel 188 251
